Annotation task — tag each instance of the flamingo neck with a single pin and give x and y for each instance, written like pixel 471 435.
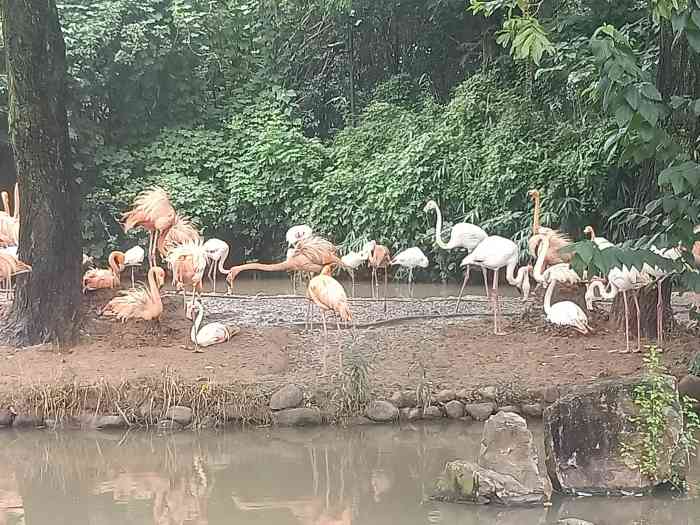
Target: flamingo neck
pixel 536 214
pixel 438 229
pixel 222 260
pixel 16 213
pixel 548 297
pixel 592 234
pixel 541 253
pixel 114 265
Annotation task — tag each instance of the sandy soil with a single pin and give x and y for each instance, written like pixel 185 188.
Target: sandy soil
pixel 274 348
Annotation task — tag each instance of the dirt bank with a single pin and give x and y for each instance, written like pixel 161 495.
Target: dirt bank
pixel 273 349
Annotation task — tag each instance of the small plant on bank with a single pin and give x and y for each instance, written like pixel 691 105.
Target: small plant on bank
pixel 424 386
pixel 694 366
pixel 655 398
pixel 355 386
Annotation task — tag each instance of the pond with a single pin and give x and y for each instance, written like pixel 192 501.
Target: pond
pixel 328 476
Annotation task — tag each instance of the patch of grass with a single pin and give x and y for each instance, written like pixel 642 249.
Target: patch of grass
pixel 355 390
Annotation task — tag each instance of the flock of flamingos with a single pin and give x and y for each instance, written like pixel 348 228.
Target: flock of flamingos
pixel 174 239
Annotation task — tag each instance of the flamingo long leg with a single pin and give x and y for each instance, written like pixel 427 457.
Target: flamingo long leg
pixel 485 273
pixel 461 290
pixel 639 337
pixel 410 282
pixel 386 279
pixel 493 303
pixel 133 283
pixel 627 322
pixel 496 304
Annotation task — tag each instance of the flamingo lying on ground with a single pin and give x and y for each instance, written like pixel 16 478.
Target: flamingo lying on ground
pixel 209 334
pixel 139 303
pixel 217 252
pixel 410 258
pixel 310 255
pixel 97 279
pixel 188 262
pixel 564 313
pixel 152 211
pixel 10 266
pixel 494 253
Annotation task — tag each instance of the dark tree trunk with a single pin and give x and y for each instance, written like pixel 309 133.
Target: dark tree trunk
pixel 47 300
pixel 647 298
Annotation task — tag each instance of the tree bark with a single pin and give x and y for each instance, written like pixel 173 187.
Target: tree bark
pixel 647 298
pixel 47 300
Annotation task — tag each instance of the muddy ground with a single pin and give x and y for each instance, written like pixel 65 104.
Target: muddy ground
pixel 403 347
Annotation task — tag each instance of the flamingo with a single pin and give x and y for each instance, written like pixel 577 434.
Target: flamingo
pixel 494 253
pixel 297 233
pixel 217 252
pixel 564 313
pixel 329 295
pixel 97 279
pixel 463 235
pixel 352 261
pixel 600 242
pixel 209 334
pixel 410 258
pixel 621 280
pixel 378 256
pixel 10 266
pixel 560 272
pixel 660 275
pixel 188 262
pixel 180 232
pixel 557 239
pixel 133 257
pixel 310 255
pixel 5 204
pixel 15 214
pixel 152 211
pixel 139 303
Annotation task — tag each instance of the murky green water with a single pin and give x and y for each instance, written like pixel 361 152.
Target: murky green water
pixel 367 476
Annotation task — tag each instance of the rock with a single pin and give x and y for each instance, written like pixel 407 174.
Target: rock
pixel 583 436
pixel 489 393
pixel 149 411
pixel 432 412
pixel 690 386
pixel 179 414
pixel 358 421
pixel 463 394
pixel 414 414
pixel 297 417
pixel 28 421
pixel 289 396
pixel 466 419
pixel 532 410
pixel 454 409
pixel 480 411
pixel 510 408
pixel 403 399
pixel 403 413
pixel 445 396
pixel 573 521
pixel 108 422
pixel 550 394
pixel 168 425
pixel 382 411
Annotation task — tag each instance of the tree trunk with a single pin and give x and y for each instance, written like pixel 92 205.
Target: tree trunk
pixel 647 298
pixel 47 300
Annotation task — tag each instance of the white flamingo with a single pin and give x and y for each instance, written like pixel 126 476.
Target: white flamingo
pixel 621 280
pixel 564 313
pixel 134 257
pixel 494 253
pixel 207 335
pixel 601 242
pixel 217 252
pixel 463 235
pixel 297 233
pixel 352 261
pixel 410 258
pixel 560 272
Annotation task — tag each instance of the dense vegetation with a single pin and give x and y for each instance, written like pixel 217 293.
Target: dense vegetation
pixel 243 109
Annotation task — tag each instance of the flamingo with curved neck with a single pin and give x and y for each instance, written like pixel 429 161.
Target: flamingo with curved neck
pixel 207 335
pixel 96 279
pixel 463 234
pixel 564 313
pixel 139 303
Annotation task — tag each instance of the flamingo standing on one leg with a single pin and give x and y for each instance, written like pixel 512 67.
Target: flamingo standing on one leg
pixel 494 253
pixel 152 211
pixel 352 261
pixel 411 258
pixel 188 262
pixel 463 235
pixel 329 295
pixel 133 258
pixel 217 252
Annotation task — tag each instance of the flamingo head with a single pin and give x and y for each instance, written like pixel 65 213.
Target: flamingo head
pixel 430 205
pixel 534 194
pixel 588 231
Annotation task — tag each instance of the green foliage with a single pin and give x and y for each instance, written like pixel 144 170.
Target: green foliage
pixel 656 401
pixel 694 366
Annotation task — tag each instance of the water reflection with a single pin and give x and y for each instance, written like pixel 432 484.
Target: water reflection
pixel 368 476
